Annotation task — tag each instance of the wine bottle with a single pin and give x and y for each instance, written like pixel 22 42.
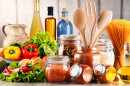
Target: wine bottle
pixel 36 22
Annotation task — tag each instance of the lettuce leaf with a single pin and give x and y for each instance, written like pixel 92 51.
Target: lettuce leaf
pixel 46 43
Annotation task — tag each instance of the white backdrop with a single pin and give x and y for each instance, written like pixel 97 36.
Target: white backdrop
pixel 21 11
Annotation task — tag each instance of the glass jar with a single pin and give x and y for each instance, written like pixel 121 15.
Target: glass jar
pixel 104 73
pixel 88 56
pixel 58 69
pixel 81 73
pixel 105 48
pixel 68 45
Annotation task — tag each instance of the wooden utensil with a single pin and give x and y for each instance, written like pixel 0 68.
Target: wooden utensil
pixel 79 19
pixel 102 24
pixel 90 11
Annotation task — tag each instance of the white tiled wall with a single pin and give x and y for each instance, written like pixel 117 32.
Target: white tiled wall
pixel 21 11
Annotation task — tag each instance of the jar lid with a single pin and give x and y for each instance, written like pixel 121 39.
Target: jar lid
pixel 70 37
pixel 58 59
pixel 75 71
pixel 99 70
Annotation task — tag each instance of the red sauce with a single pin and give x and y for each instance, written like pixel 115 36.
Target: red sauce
pixel 86 75
pixel 58 73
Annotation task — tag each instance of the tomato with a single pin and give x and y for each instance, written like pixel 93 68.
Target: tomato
pixel 45 58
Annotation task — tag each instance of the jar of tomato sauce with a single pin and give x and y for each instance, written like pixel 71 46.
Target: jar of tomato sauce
pixel 88 56
pixel 58 69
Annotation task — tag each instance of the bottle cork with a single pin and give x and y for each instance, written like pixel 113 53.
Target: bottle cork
pixel 64 9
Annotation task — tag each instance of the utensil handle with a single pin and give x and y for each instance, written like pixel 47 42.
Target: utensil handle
pixel 3 29
pixel 84 39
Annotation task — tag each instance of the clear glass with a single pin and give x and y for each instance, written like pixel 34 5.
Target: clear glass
pixel 68 48
pixel 58 69
pixel 124 72
pixel 50 26
pixel 36 22
pixel 106 50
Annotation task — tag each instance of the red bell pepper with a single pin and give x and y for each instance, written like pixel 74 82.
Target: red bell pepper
pixel 30 50
pixel 10 70
pixel 27 67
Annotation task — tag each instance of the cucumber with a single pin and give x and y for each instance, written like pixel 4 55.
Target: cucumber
pixel 2 64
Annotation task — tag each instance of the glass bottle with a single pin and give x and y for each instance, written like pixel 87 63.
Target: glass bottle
pixel 58 69
pixel 104 73
pixel 124 73
pixel 50 23
pixel 36 22
pixel 64 26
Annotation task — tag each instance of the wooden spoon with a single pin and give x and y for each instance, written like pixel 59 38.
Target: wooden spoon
pixel 79 19
pixel 102 23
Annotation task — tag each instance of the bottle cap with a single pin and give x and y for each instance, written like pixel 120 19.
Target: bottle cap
pixel 64 9
pixel 75 71
pixel 99 70
pixel 50 10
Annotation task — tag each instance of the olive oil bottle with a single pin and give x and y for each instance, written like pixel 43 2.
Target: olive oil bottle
pixel 36 22
pixel 124 72
pixel 50 23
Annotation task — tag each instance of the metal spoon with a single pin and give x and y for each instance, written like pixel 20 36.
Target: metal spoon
pixel 79 19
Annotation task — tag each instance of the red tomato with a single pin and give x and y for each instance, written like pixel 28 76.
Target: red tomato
pixel 45 58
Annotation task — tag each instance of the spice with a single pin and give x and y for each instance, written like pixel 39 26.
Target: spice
pixel 68 45
pixel 58 69
pixel 104 73
pixel 82 73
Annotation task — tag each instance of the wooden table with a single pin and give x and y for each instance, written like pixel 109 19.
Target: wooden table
pixel 71 83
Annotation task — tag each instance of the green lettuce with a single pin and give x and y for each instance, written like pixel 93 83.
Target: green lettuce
pixel 46 43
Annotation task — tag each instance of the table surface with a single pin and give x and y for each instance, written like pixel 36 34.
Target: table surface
pixel 71 83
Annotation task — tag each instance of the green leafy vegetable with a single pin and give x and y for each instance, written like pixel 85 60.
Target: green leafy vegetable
pixel 47 45
pixel 36 75
pixel 13 65
pixel 16 44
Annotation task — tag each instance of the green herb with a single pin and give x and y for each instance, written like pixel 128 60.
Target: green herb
pixel 16 44
pixel 36 75
pixel 47 45
pixel 13 65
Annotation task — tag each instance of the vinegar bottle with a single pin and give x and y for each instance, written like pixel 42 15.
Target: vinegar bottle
pixel 50 23
pixel 36 22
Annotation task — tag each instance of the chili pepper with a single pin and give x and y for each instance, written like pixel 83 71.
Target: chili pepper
pixel 5 73
pixel 12 52
pixel 10 70
pixel 30 50
pixel 27 67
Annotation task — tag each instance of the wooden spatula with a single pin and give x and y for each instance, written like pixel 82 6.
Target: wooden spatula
pixel 102 24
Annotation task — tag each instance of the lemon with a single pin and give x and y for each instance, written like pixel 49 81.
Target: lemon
pixel 41 62
pixel 22 62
